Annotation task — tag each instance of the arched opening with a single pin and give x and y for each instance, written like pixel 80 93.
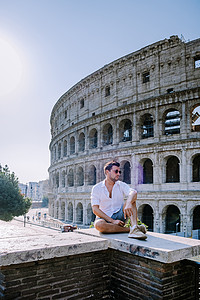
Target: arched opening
pixel 59 151
pixel 72 145
pixel 57 180
pixel 126 172
pixel 92 176
pixel 172 219
pixel 90 215
pixel 81 142
pixel 148 171
pixel 172 169
pixel 63 211
pixel 65 148
pixel 196 218
pixel 79 213
pixel 70 178
pixel 107 91
pixel 63 179
pixel 147 216
pixel 80 176
pixel 172 122
pixel 196 168
pixel 147 126
pixel 195 118
pixel 93 139
pixel 70 212
pixel 125 131
pixel 107 135
pixel 82 103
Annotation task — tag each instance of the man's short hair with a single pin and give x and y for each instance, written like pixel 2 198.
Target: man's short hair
pixel 108 166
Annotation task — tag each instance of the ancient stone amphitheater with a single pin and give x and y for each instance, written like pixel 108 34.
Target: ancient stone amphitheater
pixel 142 110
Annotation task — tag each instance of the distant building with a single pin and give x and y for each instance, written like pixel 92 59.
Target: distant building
pixel 142 110
pixel 35 190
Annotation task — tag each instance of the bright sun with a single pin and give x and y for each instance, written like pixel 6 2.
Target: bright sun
pixel 10 68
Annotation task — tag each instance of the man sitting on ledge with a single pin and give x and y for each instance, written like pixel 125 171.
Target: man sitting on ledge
pixel 107 199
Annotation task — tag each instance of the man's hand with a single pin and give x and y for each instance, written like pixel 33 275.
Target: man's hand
pixel 128 211
pixel 118 222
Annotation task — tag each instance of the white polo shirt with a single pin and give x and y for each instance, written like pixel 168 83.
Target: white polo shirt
pixel 100 196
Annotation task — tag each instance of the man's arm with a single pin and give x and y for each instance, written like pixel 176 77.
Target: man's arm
pixel 99 213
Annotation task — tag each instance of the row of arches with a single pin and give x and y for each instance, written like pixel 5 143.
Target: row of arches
pixel 171 125
pixel 171 217
pixel 69 212
pixel 81 214
pixel 80 177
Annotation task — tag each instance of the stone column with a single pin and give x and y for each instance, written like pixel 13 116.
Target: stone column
pixel 59 210
pixel 134 171
pixel 66 210
pixel 183 167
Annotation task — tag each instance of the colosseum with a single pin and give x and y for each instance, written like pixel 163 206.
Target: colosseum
pixel 144 111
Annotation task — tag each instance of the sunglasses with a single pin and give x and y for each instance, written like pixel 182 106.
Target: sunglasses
pixel 117 171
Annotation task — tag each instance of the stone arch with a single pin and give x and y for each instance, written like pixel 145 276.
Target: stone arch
pixel 93 138
pixel 92 175
pixel 59 151
pixel 147 126
pixel 126 171
pixel 171 217
pixel 125 130
pixel 107 134
pixel 172 121
pixel 90 214
pixel 70 178
pixel 107 91
pixel 195 118
pixel 57 180
pixel 146 215
pixel 80 176
pixel 72 145
pixel 172 169
pixel 196 218
pixel 148 171
pixel 65 148
pixel 81 142
pixel 196 168
pixel 79 213
pixel 63 210
pixel 63 178
pixel 70 212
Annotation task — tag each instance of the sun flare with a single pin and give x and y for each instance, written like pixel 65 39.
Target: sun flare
pixel 10 68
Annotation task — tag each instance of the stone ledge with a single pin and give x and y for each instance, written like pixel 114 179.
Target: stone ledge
pixel 164 248
pixel 20 244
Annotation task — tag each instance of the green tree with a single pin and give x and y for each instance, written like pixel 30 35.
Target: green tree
pixel 12 202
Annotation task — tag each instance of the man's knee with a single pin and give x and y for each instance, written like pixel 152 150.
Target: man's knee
pixel 100 225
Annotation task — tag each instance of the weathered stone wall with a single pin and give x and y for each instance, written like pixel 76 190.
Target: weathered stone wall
pixel 154 80
pixel 108 274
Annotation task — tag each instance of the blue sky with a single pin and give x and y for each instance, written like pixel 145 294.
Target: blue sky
pixel 47 46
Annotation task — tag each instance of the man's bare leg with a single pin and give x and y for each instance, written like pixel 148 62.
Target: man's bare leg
pixel 104 227
pixel 136 231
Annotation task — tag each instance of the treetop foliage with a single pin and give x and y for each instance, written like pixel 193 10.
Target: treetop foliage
pixel 12 202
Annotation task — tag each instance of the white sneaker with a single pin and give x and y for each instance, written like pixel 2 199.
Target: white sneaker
pixel 136 233
pixel 142 228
